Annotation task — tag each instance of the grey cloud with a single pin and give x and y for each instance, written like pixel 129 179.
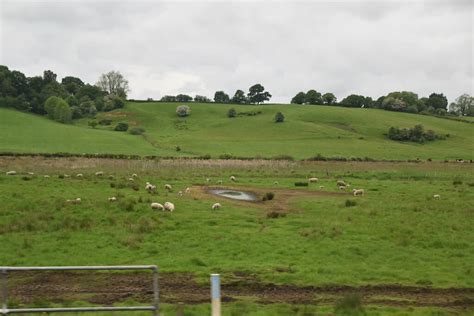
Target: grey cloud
pixel 367 47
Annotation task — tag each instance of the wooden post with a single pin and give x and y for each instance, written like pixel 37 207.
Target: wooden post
pixel 180 309
pixel 216 295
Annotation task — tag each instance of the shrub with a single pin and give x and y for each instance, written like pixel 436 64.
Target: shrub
pixel 92 124
pixel 301 184
pixel 457 182
pixel 279 117
pixel 232 113
pixel 268 196
pixel 415 134
pixel 137 131
pixel 121 127
pixel 350 203
pixel 183 110
pixel 178 148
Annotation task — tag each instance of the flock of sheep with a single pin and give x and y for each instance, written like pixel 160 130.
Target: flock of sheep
pixel 342 185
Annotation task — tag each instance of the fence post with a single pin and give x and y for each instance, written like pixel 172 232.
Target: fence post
pixel 180 309
pixel 156 296
pixel 4 291
pixel 216 294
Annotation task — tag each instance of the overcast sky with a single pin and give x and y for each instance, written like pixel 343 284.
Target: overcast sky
pixel 198 47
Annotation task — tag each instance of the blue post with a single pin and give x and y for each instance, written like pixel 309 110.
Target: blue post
pixel 216 294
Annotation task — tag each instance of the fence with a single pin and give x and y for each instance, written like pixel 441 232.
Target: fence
pixel 5 310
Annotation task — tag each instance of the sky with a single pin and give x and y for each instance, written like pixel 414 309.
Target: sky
pixel 199 47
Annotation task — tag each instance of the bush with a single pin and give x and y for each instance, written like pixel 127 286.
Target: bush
pixel 183 110
pixel 415 134
pixel 178 148
pixel 92 124
pixel 268 196
pixel 137 131
pixel 279 117
pixel 121 127
pixel 232 113
pixel 301 184
pixel 350 203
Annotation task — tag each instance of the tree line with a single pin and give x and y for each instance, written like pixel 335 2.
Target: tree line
pixel 62 101
pixel 256 95
pixel 401 101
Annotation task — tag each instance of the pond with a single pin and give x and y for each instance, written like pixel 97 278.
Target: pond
pixel 233 194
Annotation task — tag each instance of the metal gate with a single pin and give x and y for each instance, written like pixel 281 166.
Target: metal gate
pixel 5 310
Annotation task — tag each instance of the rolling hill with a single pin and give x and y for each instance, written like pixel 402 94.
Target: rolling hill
pixel 306 132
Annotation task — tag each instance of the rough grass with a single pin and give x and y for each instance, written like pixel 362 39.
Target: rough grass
pixel 306 132
pixel 396 233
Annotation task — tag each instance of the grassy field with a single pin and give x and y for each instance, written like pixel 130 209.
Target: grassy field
pixel 306 132
pixel 395 234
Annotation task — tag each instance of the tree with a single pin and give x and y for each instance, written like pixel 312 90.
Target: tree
pixel 49 76
pixel 114 83
pixel 329 98
pixel 121 127
pixel 72 84
pixel 464 105
pixel 50 106
pixel 58 109
pixel 201 99
pixel 239 97
pixel 313 97
pixel 357 101
pixel 183 98
pixel 221 97
pixel 168 98
pixel 279 117
pixel 183 110
pixel 299 98
pixel 231 113
pixel 437 101
pixel 257 94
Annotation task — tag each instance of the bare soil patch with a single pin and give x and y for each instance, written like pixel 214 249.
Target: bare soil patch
pixel 109 288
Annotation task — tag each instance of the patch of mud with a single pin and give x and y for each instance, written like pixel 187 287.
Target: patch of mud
pixel 109 288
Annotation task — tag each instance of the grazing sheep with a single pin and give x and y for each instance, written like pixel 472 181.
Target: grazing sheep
pixel 357 192
pixel 67 176
pixel 74 201
pixel 188 190
pixel 311 180
pixel 321 187
pixel 131 179
pixel 216 206
pixel 79 175
pixel 112 199
pixel 11 173
pixel 31 173
pixel 134 175
pixel 342 187
pixel 169 206
pixel 46 176
pixel 99 173
pixel 150 187
pixel 436 196
pixel 341 183
pixel 233 178
pixel 157 206
pixel 276 183
pixel 180 193
pixel 168 187
pixel 208 180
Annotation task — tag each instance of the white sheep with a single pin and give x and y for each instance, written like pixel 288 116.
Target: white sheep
pixel 276 183
pixel 46 176
pixel 31 173
pixel 357 192
pixel 150 187
pixel 341 183
pixel 79 175
pixel 74 201
pixel 312 180
pixel 216 206
pixel 11 173
pixel 134 175
pixel 156 206
pixel 112 199
pixel 208 180
pixel 188 190
pixel 169 206
pixel 99 173
pixel 180 193
pixel 131 179
pixel 321 187
pixel 67 176
pixel 342 187
pixel 168 187
pixel 233 178
pixel 436 196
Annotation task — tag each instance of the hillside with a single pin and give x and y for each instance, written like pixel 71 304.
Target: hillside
pixel 306 132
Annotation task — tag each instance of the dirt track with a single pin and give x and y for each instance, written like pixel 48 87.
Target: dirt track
pixel 101 288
